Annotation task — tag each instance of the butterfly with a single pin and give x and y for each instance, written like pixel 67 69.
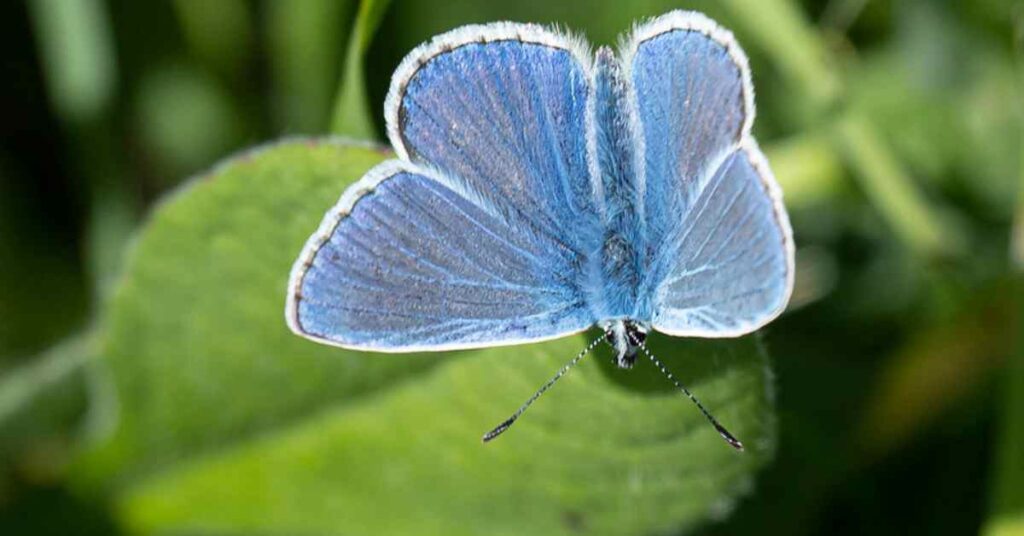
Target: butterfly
pixel 540 189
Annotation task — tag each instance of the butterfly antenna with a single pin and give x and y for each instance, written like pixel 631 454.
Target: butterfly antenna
pixel 726 435
pixel 498 430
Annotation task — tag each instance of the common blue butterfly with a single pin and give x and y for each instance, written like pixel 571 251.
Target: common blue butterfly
pixel 540 189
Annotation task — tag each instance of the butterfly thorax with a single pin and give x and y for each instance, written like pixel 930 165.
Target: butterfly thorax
pixel 621 262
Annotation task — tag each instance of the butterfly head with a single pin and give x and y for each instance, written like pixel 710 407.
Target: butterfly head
pixel 626 336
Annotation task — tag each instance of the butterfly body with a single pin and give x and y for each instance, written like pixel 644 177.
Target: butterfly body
pixel 624 255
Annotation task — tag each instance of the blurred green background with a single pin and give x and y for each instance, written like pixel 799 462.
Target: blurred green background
pixel 148 385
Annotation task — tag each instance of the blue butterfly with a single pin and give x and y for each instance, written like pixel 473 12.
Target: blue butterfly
pixel 541 189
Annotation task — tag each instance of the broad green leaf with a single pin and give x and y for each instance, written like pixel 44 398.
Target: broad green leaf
pixel 352 116
pixel 195 340
pixel 231 424
pixel 605 452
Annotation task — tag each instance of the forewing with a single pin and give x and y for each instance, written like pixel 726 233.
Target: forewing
pixel 503 109
pixel 694 102
pixel 405 263
pixel 719 239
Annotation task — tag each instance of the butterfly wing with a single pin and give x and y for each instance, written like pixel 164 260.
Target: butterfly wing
pixel 724 252
pixel 477 235
pixel 503 108
pixel 404 263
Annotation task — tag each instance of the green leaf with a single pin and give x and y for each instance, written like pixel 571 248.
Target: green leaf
pixel 197 321
pixel 600 454
pixel 231 424
pixel 352 109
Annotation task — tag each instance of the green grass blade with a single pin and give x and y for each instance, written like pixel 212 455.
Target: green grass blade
pixel 77 51
pixel 352 115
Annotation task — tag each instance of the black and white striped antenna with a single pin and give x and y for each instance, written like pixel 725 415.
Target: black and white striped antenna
pixel 722 431
pixel 522 409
